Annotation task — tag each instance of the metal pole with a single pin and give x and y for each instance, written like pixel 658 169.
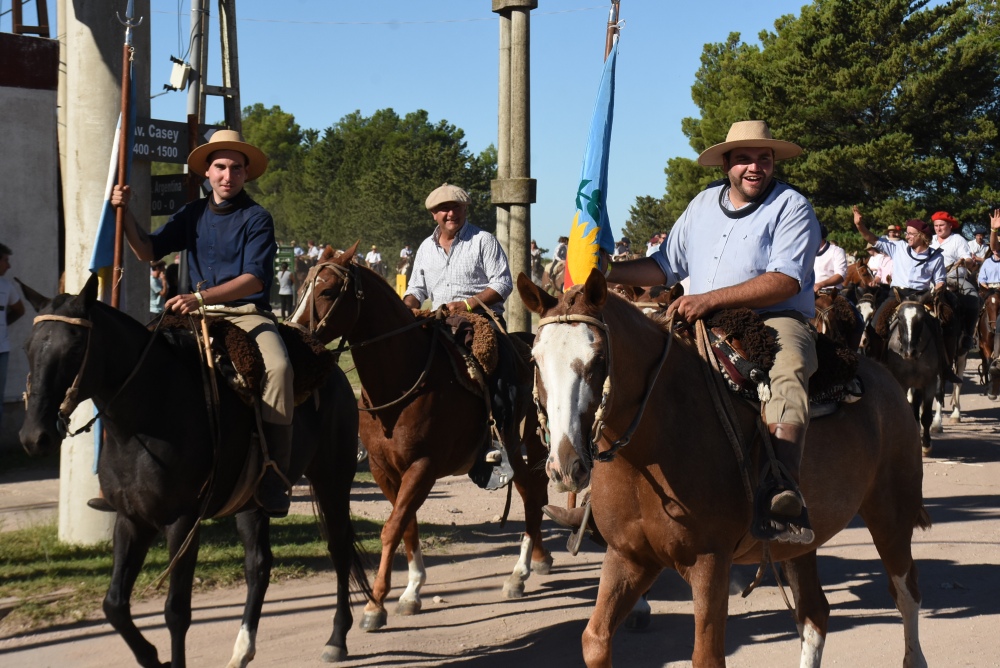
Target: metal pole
pixel 230 64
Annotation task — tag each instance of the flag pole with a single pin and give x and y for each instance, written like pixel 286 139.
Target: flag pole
pixel 609 39
pixel 127 51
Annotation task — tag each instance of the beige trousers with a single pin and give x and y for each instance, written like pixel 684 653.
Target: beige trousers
pixel 794 363
pixel 278 398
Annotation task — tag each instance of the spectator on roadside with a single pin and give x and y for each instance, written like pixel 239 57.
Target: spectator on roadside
pixel 158 288
pixel 11 308
pixel 285 290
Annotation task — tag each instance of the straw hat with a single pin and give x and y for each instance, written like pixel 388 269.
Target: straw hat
pixel 748 134
pixel 228 140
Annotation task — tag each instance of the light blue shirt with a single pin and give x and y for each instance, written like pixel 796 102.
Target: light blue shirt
pixel 990 271
pixel 911 269
pixel 719 247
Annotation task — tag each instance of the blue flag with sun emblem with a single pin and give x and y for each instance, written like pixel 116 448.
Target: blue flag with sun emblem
pixel 591 229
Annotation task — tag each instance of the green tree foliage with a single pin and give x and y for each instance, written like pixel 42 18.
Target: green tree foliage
pixel 646 217
pixel 364 178
pixel 894 102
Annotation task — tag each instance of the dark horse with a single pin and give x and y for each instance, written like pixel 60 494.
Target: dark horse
pixel 989 344
pixel 912 357
pixel 158 458
pixel 421 423
pixel 673 496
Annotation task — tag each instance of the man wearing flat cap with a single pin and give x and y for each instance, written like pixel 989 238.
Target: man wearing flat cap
pixel 750 240
pixel 464 269
pixel 231 248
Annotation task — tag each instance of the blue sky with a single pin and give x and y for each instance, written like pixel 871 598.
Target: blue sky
pixel 320 60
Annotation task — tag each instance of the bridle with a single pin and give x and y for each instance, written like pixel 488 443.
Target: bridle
pixel 347 274
pixel 71 399
pixel 597 430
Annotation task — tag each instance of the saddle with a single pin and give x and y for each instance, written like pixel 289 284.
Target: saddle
pixel 239 361
pixel 744 349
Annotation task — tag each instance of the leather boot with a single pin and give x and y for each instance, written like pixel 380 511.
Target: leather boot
pixel 274 490
pixel 101 504
pixel 572 518
pixel 787 506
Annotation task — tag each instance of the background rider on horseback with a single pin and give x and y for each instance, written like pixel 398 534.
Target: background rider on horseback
pixel 749 240
pixel 916 269
pixel 959 264
pixel 231 249
pixel 464 269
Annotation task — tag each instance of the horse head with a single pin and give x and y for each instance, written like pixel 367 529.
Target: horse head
pixel 325 288
pixel 913 333
pixel 571 365
pixel 57 351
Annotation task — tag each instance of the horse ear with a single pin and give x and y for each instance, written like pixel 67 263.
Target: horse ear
pixel 89 292
pixel 535 299
pixel 896 295
pixel 676 291
pixel 596 288
pixel 35 298
pixel 350 252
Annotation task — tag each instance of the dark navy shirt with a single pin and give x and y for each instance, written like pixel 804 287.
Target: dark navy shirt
pixel 223 246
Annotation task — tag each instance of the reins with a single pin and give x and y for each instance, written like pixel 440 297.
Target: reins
pixel 597 431
pixel 70 401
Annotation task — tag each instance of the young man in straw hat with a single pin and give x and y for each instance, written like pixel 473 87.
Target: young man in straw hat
pixel 231 250
pixel 750 240
pixel 463 268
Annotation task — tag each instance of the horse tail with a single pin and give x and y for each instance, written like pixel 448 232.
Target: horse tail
pixel 360 559
pixel 923 518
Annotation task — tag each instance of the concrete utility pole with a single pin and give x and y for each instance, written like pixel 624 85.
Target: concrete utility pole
pixel 90 87
pixel 513 191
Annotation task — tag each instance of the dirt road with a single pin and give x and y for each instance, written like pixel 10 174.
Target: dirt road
pixel 465 622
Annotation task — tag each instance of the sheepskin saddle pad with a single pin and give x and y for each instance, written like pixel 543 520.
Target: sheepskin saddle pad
pixel 240 362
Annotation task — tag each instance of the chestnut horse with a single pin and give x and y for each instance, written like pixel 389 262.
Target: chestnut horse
pixel 673 495
pixel 427 425
pixel 989 344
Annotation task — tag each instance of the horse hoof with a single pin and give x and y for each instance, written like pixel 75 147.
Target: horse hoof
pixel 926 450
pixel 991 397
pixel 543 566
pixel 373 621
pixel 333 654
pixel 407 608
pixel 513 589
pixel 638 621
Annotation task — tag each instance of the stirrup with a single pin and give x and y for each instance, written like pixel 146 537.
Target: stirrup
pixel 769 526
pixel 503 472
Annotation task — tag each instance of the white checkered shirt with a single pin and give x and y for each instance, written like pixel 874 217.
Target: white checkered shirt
pixel 476 262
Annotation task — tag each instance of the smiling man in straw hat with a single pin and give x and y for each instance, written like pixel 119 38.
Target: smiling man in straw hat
pixel 750 240
pixel 231 248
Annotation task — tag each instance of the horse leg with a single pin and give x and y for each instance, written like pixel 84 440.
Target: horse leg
pixel 254 530
pixel 131 544
pixel 924 400
pixel 532 484
pixel 622 581
pixel 891 518
pixel 413 489
pixel 956 390
pixel 177 608
pixel 409 601
pixel 812 610
pixel 709 580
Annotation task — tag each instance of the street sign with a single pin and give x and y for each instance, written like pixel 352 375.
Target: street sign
pixel 167 194
pixel 165 141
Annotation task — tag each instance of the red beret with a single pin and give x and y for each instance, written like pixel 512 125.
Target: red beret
pixel 947 217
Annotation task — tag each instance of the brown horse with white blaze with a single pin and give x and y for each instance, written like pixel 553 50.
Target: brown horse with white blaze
pixel 673 495
pixel 419 423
